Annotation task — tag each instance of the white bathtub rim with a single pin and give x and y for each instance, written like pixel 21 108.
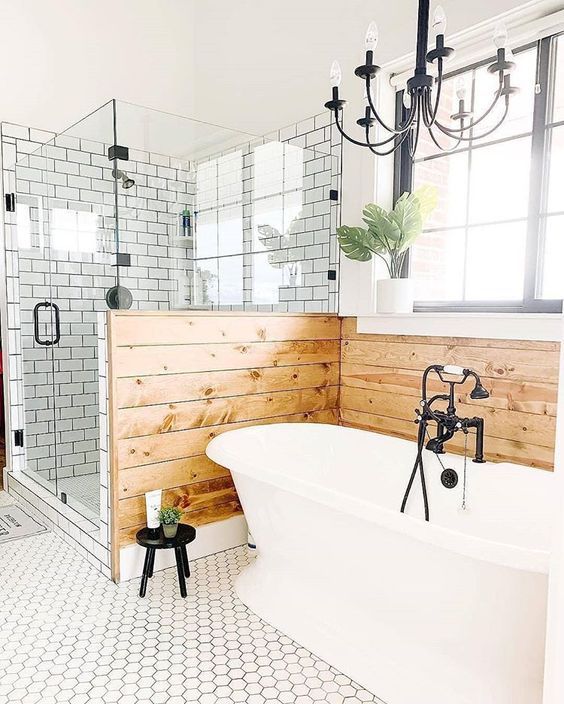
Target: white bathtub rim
pixel 496 552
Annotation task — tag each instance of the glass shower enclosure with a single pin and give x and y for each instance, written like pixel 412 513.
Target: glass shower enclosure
pixel 135 208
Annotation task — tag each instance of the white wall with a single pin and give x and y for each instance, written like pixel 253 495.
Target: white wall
pixel 61 59
pixel 263 64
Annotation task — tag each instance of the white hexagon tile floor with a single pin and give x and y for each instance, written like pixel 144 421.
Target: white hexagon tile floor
pixel 69 635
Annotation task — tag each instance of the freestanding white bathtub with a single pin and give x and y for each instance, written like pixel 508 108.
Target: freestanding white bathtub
pixel 446 612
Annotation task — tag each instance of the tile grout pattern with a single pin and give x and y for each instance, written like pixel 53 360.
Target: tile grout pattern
pixel 68 634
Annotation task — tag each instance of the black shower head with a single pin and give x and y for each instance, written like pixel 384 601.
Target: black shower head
pixel 478 392
pixel 126 181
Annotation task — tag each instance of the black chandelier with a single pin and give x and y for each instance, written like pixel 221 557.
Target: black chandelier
pixel 423 93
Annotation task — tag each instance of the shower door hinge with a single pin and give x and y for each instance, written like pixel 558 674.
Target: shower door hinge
pixel 19 438
pixel 63 497
pixel 333 194
pixel 10 202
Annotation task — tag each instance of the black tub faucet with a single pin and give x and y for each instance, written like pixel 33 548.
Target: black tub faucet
pixel 449 422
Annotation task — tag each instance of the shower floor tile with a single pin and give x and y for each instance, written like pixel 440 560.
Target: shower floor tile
pixel 68 634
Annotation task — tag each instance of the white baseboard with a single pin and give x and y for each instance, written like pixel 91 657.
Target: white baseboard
pixel 210 539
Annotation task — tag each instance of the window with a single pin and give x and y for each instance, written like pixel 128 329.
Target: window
pixel 496 240
pixel 73 230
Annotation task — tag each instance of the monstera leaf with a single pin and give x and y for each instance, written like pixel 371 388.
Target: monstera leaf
pixel 384 230
pixel 354 241
pixel 428 198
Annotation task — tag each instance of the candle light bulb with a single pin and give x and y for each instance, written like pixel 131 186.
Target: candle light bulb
pixel 371 39
pixel 335 74
pixel 461 88
pixel 500 36
pixel 439 20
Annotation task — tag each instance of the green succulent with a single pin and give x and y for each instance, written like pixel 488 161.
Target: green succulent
pixel 389 234
pixel 169 515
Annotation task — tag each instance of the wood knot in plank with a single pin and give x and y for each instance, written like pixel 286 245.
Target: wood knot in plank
pixel 255 374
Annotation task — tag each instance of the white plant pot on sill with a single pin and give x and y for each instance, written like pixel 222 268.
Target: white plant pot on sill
pixel 394 295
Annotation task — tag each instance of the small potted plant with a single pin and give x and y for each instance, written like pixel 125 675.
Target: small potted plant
pixel 170 516
pixel 389 235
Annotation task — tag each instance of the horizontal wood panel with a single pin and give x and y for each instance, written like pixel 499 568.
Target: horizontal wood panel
pixel 533 397
pixel 491 362
pixel 182 329
pixel 349 325
pixel 135 452
pixel 496 449
pixel 189 497
pixel 526 427
pixel 134 481
pixel 172 417
pixel 176 359
pixel 381 385
pixel 199 517
pixel 171 388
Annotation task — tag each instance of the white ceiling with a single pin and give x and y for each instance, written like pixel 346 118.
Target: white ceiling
pixel 251 65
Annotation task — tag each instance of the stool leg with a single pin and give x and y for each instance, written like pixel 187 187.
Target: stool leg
pixel 152 563
pixel 180 570
pixel 145 576
pixel 186 563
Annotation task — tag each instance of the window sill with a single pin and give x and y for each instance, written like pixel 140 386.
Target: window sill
pixel 500 326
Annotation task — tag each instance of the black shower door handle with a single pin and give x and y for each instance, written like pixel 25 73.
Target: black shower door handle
pixel 56 339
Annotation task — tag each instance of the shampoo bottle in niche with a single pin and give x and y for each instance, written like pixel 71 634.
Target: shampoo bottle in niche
pixel 153 506
pixel 186 223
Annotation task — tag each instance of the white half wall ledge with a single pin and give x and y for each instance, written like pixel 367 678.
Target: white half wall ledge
pixel 498 326
pixel 210 538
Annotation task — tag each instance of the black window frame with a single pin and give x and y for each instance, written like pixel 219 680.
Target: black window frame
pixel 536 224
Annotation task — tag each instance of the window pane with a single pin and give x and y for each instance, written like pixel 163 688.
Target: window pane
pixel 268 223
pixel 499 181
pixel 558 109
pixel 448 106
pixel 449 174
pixel 519 119
pixel 555 196
pixel 495 265
pixel 231 281
pixel 552 281
pixel 206 283
pixel 230 230
pixel 437 266
pixel 206 234
pixel 267 277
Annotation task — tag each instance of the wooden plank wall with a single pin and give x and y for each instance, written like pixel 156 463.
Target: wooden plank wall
pixel 178 379
pixel 381 382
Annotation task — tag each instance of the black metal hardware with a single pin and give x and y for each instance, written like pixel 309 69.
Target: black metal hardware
pixel 119 297
pixel 122 259
pixel 332 275
pixel 63 497
pixel 57 320
pixel 333 194
pixel 19 438
pixel 448 422
pixel 449 478
pixel 10 202
pixel 118 152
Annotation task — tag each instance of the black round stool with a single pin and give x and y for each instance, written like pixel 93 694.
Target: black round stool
pixel 155 540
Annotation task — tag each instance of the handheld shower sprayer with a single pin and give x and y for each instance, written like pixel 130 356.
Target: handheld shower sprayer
pixel 126 181
pixel 448 423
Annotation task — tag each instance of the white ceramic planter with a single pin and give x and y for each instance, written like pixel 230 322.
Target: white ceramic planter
pixel 394 295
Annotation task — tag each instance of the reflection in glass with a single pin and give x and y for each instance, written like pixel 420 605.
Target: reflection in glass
pixel 268 276
pixel 206 287
pixel 230 281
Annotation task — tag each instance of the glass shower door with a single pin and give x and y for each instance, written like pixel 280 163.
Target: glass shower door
pixel 38 318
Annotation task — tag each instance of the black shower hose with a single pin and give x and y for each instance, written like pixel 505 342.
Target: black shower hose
pixel 418 466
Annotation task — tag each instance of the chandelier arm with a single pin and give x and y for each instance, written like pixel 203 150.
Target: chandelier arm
pixel 370 145
pixel 412 143
pixel 402 139
pixel 476 122
pixel 403 126
pixel 446 150
pixel 462 138
pixel 432 114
